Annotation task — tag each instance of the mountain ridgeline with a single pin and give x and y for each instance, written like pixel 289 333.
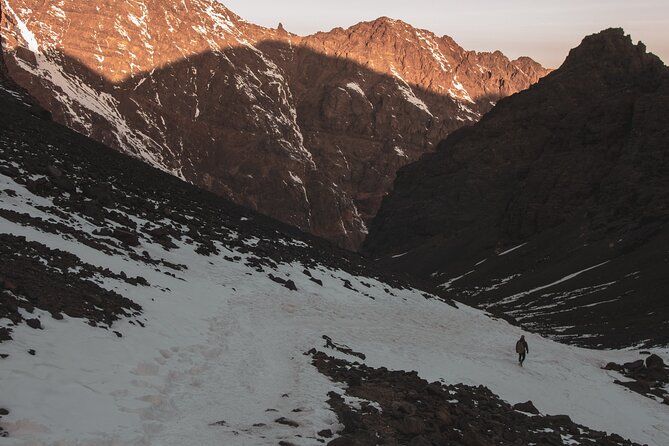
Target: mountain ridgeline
pixel 553 209
pixel 309 130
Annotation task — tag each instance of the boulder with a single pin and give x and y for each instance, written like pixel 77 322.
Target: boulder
pixel 634 365
pixel 126 237
pixel 654 362
pixel 527 407
pixel 34 323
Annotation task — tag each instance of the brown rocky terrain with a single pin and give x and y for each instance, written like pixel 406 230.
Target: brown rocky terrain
pixel 554 208
pixel 310 130
pixel 400 408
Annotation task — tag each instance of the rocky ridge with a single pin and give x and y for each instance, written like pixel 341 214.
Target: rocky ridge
pixel 309 130
pixel 553 209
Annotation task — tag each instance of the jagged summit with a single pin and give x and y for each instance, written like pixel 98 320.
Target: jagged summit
pixel 613 54
pixel 310 130
pixel 554 208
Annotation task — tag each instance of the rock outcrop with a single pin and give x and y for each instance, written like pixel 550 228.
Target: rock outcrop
pixel 309 130
pixel 399 407
pixel 553 209
pixel 649 377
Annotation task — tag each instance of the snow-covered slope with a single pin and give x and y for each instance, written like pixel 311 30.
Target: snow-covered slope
pixel 230 302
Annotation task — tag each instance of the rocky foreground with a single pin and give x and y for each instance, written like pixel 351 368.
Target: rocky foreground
pixel 400 408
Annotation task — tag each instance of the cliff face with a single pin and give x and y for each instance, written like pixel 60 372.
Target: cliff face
pixel 553 209
pixel 310 130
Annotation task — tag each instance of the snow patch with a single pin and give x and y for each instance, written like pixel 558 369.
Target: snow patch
pixel 408 93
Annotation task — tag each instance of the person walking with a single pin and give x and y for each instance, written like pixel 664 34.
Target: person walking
pixel 522 349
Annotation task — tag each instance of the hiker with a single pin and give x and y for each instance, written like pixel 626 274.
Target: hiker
pixel 522 349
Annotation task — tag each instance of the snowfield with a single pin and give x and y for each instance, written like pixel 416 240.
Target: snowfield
pixel 221 355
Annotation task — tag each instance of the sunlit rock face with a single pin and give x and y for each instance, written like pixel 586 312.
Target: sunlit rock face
pixel 310 130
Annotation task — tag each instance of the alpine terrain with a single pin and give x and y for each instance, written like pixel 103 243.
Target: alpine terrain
pixel 136 309
pixel 309 130
pixel 554 208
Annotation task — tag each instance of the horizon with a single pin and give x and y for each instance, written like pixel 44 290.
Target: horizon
pixel 544 32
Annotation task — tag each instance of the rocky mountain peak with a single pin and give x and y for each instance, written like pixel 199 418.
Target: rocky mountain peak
pixel 612 51
pixel 310 130
pixel 554 208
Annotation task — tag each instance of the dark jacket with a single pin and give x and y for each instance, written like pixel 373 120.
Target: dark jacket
pixel 521 346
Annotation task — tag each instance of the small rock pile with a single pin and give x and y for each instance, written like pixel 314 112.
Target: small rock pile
pixel 400 408
pixel 650 377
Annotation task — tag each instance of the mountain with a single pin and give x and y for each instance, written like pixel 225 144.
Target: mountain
pixel 553 209
pixel 309 130
pixel 137 309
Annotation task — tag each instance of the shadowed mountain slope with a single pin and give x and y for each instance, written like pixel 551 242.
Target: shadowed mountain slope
pixel 554 208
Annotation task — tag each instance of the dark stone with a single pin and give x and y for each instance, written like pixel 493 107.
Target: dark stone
pixel 613 366
pixel 139 280
pixel 634 365
pixel 34 323
pixel 654 362
pixel 287 422
pixel 126 237
pixel 41 186
pixel 325 433
pixel 527 407
pixel 562 420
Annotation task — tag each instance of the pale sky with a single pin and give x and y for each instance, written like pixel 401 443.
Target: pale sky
pixel 540 29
